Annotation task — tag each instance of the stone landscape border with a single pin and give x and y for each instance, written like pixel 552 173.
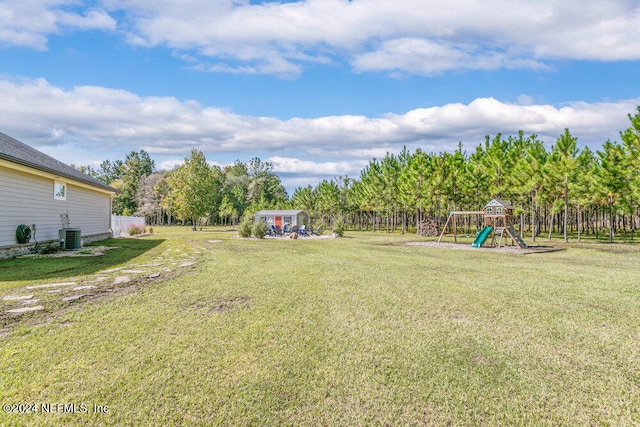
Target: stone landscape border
pixel 38 303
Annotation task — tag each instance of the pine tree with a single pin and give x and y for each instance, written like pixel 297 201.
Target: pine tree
pixel 563 170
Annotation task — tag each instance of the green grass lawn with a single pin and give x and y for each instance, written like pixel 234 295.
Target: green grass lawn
pixel 27 270
pixel 352 331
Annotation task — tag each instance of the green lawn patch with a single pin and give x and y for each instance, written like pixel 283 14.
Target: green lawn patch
pixel 15 272
pixel 353 331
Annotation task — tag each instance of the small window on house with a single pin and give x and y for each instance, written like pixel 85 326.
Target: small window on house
pixel 498 211
pixel 60 190
pixel 489 211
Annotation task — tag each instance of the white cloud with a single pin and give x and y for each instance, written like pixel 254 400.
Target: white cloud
pixel 296 172
pixel 276 66
pixel 424 57
pixel 404 36
pixel 89 124
pixel 399 37
pixel 93 19
pixel 28 23
pixel 294 166
pixel 168 165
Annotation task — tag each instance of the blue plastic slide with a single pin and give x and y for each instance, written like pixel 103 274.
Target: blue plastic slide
pixel 482 237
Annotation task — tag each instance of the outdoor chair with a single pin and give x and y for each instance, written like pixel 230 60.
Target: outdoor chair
pixel 287 230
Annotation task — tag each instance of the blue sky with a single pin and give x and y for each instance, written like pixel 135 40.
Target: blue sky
pixel 317 87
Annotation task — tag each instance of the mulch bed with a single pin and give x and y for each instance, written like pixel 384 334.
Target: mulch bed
pixel 503 249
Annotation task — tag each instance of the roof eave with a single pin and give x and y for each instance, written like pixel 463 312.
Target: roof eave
pixel 57 173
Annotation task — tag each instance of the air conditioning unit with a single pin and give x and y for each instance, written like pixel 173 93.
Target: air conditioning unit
pixel 70 239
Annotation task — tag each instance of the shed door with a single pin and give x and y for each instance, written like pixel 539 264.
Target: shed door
pixel 278 221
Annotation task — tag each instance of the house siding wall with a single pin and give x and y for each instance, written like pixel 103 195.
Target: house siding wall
pixel 28 199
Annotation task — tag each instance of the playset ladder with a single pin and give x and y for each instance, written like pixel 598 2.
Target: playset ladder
pixel 511 232
pixel 516 237
pixel 498 233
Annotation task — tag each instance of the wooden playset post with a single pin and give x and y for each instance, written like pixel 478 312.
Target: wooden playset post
pixel 498 214
pixel 452 217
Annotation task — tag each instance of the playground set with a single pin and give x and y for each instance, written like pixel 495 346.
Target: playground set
pixel 498 223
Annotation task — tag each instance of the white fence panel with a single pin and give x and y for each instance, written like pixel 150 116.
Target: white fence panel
pixel 120 224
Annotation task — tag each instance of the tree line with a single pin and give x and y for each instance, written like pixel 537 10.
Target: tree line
pixel 562 189
pixel 195 192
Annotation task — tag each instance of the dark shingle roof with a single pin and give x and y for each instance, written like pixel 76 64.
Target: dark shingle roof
pixel 280 212
pixel 496 201
pixel 15 151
